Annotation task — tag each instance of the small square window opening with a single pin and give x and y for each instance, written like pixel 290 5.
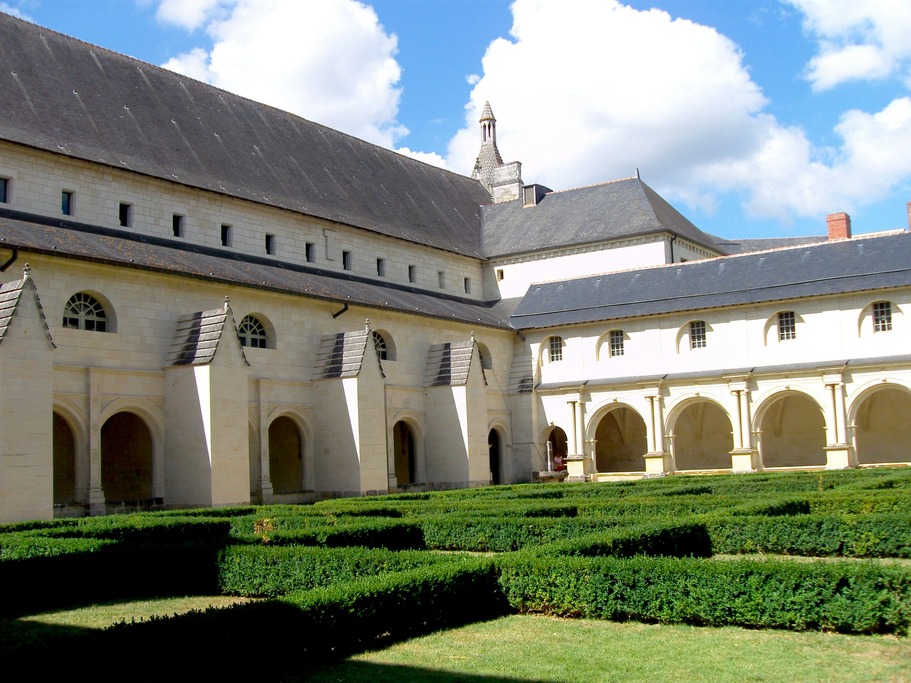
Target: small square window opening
pixel 787 326
pixel 882 316
pixel 310 252
pixel 467 285
pixel 346 260
pixel 177 225
pixel 225 235
pixel 270 244
pixel 697 335
pixel 4 190
pixel 412 274
pixel 381 267
pixel 66 203
pixel 616 343
pixel 441 277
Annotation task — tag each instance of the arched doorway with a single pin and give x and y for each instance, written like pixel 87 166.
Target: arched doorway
pixel 620 441
pixel 558 449
pixel 493 448
pixel 404 454
pixel 703 439
pixel 126 459
pixel 64 462
pixel 286 456
pixel 793 433
pixel 882 428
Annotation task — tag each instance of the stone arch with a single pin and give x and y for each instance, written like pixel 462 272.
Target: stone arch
pixel 773 333
pixel 879 419
pixel 603 350
pixel 127 459
pixel 621 440
pixel 559 447
pixel 286 456
pixel 405 447
pixel 792 430
pixel 256 473
pixel 70 457
pixel 496 449
pixel 152 419
pixel 701 435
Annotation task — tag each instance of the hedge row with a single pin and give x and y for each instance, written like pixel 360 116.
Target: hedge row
pixel 674 539
pixel 272 639
pixel 814 535
pixel 849 597
pixel 370 533
pixel 259 571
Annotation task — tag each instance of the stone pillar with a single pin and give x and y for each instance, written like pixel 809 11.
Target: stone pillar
pixel 839 454
pixel 743 457
pixel 657 460
pixel 96 493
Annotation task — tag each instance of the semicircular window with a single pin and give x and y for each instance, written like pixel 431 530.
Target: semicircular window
pixel 85 312
pixel 252 332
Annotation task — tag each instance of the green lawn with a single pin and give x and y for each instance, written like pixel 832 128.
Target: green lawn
pixel 538 648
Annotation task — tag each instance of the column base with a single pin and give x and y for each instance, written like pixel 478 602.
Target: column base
pixel 744 460
pixel 658 462
pixel 839 456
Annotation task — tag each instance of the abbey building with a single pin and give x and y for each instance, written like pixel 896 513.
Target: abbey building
pixel 205 301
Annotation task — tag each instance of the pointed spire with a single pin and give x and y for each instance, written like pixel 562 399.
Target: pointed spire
pixel 489 157
pixel 26 271
pixel 367 324
pixel 227 302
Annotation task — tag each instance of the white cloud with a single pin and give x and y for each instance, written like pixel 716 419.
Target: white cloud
pixel 584 102
pixel 189 14
pixel 6 8
pixel 329 60
pixel 431 158
pixel 858 40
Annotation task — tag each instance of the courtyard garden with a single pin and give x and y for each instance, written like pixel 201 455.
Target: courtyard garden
pixel 724 576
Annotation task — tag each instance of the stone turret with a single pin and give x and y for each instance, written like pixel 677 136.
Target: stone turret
pixel 502 181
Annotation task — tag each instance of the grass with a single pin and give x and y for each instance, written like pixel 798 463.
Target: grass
pixel 538 648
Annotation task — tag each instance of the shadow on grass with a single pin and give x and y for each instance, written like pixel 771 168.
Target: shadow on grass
pixel 367 672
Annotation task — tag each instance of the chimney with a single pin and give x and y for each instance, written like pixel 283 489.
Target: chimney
pixel 839 225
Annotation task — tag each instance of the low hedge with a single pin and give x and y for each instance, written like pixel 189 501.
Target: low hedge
pixel 814 535
pixel 262 571
pixel 861 502
pixel 139 528
pixel 850 597
pixel 375 532
pixel 501 534
pixel 268 640
pixel 676 539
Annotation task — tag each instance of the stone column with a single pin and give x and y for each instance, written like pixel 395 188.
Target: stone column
pixel 743 457
pixel 838 451
pixel 96 493
pixel 657 460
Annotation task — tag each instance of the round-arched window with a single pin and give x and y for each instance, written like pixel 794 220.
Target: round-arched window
pixel 252 332
pixel 85 312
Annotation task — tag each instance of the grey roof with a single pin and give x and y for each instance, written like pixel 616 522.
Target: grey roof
pixel 587 215
pixel 858 264
pixel 115 110
pixel 117 247
pixel 198 335
pixel 449 364
pixel 10 297
pixel 342 355
pixel 745 245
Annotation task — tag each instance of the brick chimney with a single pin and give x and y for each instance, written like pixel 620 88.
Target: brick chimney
pixel 839 225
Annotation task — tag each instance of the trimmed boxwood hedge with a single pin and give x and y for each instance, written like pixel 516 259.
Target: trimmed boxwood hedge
pixel 850 597
pixel 263 571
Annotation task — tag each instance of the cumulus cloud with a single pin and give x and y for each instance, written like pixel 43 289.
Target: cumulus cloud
pixel 330 61
pixel 6 8
pixel 857 40
pixel 583 102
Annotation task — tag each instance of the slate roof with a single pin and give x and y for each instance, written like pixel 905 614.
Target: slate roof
pixel 10 296
pixel 745 245
pixel 587 215
pixel 342 355
pixel 121 248
pixel 839 267
pixel 198 335
pixel 118 111
pixel 448 364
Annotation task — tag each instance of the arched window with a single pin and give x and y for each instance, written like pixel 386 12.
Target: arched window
pixel 385 347
pixel 554 349
pixel 882 316
pixel 252 332
pixel 85 312
pixel 484 354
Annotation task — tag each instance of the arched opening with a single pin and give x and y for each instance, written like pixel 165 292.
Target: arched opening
pixel 286 456
pixel 793 433
pixel 64 462
pixel 384 345
pixel 703 439
pixel 252 333
pixel 88 311
pixel 404 454
pixel 484 355
pixel 126 459
pixel 620 441
pixel 558 449
pixel 493 448
pixel 882 427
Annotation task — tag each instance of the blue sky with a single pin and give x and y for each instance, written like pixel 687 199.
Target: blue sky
pixel 753 117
